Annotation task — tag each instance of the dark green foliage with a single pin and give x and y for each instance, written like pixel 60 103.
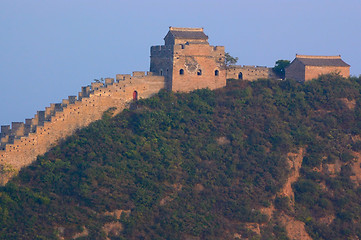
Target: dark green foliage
pixel 283 203
pixel 229 60
pixel 198 164
pixel 279 68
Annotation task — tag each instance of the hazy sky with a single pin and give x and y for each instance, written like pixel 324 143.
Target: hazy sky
pixel 49 49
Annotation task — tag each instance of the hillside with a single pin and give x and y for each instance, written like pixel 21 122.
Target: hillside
pixel 254 160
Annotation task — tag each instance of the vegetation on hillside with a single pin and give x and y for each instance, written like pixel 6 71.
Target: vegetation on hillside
pixel 201 165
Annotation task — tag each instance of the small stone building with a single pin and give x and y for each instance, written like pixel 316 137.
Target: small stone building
pixel 304 67
pixel 187 61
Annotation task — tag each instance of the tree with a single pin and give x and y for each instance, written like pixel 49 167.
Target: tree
pixel 279 68
pixel 230 60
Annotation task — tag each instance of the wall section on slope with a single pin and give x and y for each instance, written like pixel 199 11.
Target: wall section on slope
pixel 20 148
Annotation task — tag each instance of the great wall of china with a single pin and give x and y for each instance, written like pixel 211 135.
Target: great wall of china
pixel 186 62
pixel 23 142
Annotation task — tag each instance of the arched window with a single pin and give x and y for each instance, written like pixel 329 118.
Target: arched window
pixel 240 75
pixel 199 72
pixel 161 72
pixel 181 72
pixel 135 95
pixel 216 73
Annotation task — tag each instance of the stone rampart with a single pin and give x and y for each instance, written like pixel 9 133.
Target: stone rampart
pixel 22 143
pixel 250 73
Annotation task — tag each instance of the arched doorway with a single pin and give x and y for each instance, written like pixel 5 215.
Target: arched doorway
pixel 135 95
pixel 240 76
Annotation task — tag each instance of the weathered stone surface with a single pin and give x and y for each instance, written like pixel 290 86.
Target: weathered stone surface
pixel 250 73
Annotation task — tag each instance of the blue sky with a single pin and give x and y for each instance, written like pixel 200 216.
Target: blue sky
pixel 49 49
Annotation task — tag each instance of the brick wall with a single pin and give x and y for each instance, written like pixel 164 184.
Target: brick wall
pixel 202 66
pixel 74 114
pixel 161 62
pixel 249 73
pixel 312 72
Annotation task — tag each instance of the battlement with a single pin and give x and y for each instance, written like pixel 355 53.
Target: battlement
pixel 20 129
pixel 250 73
pixel 166 50
pixel 161 50
pixel 22 142
pixel 218 48
pixel 197 46
pixel 149 76
pixel 248 67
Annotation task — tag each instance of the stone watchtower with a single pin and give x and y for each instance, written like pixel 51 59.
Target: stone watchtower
pixel 187 61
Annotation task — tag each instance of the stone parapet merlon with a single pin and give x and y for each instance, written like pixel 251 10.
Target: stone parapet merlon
pixel 19 129
pixel 135 75
pixel 161 50
pixel 248 66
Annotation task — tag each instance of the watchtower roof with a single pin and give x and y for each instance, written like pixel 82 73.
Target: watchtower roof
pixel 187 33
pixel 309 60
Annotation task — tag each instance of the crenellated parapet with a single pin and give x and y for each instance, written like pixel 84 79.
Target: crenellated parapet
pixel 250 73
pixel 161 50
pixel 21 142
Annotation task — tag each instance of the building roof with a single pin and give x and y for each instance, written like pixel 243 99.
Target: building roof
pixel 187 33
pixel 334 61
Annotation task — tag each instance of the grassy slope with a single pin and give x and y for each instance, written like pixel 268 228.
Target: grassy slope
pixel 198 164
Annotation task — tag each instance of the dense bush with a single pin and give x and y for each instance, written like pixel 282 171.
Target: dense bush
pixel 198 164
